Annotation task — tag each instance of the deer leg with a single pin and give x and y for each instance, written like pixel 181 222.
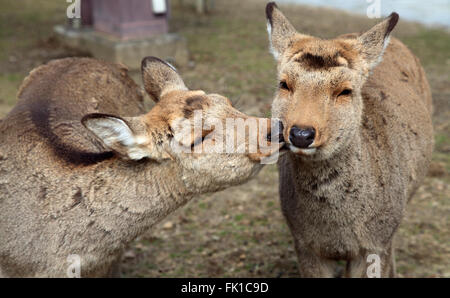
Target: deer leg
pixel 114 269
pixel 367 265
pixel 357 267
pixel 311 265
pixel 390 262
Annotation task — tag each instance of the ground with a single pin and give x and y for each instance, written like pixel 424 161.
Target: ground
pixel 240 232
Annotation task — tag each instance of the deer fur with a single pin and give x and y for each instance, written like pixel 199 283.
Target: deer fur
pixel 369 102
pixel 84 170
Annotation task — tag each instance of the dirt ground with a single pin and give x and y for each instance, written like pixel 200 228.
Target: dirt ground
pixel 241 232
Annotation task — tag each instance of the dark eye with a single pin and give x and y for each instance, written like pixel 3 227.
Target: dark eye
pixel 283 85
pixel 345 92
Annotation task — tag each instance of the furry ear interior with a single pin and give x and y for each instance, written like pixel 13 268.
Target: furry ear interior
pixel 375 41
pixel 116 134
pixel 279 29
pixel 160 77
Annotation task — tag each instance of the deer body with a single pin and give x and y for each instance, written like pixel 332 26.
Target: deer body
pixel 99 210
pixel 344 190
pixel 87 188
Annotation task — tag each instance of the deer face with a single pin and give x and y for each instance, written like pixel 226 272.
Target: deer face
pixel 319 96
pixel 215 144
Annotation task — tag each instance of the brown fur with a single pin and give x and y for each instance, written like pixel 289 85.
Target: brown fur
pixel 68 189
pixel 345 196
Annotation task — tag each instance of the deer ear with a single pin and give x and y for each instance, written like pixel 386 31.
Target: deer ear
pixel 279 28
pixel 160 77
pixel 116 134
pixel 375 41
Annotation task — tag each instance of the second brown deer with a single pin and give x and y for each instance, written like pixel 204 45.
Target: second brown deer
pixel 357 119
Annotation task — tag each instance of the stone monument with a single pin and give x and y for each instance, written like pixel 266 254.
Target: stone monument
pixel 124 31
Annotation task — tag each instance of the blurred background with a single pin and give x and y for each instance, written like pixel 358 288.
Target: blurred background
pixel 431 12
pixel 221 46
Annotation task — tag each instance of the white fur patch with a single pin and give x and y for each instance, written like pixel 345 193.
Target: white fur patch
pixel 171 66
pixel 136 153
pixel 307 151
pixel 113 131
pixel 140 140
pixel 385 45
pixel 271 49
pixel 380 57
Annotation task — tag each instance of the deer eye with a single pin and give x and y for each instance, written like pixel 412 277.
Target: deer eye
pixel 345 92
pixel 283 85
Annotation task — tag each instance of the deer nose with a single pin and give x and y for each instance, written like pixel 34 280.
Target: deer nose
pixel 302 137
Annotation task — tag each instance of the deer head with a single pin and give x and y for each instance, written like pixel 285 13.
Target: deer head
pixel 191 128
pixel 319 94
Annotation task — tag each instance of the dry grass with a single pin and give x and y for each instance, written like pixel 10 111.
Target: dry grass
pixel 240 232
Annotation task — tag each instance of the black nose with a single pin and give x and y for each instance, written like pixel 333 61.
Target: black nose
pixel 278 126
pixel 302 137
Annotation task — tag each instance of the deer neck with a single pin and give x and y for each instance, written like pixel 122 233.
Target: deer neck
pixel 128 198
pixel 327 178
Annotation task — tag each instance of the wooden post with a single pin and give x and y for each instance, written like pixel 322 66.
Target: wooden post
pixel 129 19
pixel 86 13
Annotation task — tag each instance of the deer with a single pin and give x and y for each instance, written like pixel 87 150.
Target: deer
pixel 84 169
pixel 356 112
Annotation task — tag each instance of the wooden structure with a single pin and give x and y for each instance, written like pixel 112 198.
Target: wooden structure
pixel 126 19
pixel 125 31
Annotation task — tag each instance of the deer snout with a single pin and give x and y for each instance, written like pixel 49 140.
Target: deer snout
pixel 270 139
pixel 302 137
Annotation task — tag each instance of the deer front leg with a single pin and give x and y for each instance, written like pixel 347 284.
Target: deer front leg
pixel 372 265
pixel 311 265
pixel 393 269
pixel 357 267
pixel 114 270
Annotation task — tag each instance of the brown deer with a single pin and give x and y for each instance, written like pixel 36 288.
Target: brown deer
pixel 89 187
pixel 357 120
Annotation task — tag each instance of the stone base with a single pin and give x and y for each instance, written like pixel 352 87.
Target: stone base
pixel 170 47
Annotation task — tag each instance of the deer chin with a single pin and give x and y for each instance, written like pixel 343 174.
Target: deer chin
pixel 302 151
